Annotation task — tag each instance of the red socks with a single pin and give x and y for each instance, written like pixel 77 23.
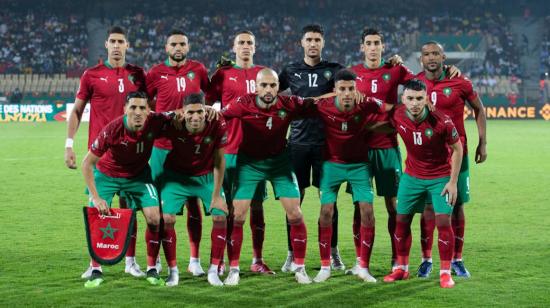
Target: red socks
pixel 131 252
pixel 446 244
pixel 367 241
pixel 427 227
pixel 325 237
pixel 194 226
pixel 357 231
pixel 153 246
pixel 391 232
pixel 235 244
pixel 218 242
pixel 403 239
pixel 458 230
pixel 257 226
pixel 298 237
pixel 169 245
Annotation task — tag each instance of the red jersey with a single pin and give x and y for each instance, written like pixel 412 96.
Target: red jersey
pixel 170 84
pixel 226 85
pixel 264 130
pixel 449 97
pixel 106 89
pixel 345 131
pixel 125 153
pixel 193 154
pixel 382 83
pixel 426 142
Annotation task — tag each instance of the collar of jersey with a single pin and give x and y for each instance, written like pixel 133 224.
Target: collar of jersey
pixel 167 63
pixel 108 65
pixel 307 65
pixel 424 115
pixel 382 63
pixel 242 68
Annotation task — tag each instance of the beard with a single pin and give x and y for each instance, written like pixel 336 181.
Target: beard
pixel 181 59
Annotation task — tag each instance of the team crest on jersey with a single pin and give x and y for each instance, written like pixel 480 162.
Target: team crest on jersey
pixel 95 145
pixel 386 77
pixel 282 114
pixel 150 136
pixel 327 74
pixel 131 78
pixel 429 132
pixel 447 91
pixel 357 118
pixel 207 140
pixel 454 133
pixel 191 75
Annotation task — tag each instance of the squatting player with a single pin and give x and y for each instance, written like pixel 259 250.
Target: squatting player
pixel 429 137
pixel 449 96
pixel 105 87
pixel 169 82
pixel 195 168
pixel 265 118
pixel 227 84
pixel 117 162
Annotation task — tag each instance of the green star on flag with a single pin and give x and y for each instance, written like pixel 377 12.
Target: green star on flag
pixel 108 232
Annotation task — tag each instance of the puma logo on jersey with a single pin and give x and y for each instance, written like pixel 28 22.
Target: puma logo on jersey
pixel 103 78
pixel 333 118
pixel 366 244
pixel 233 79
pixel 403 128
pixel 124 143
pixel 181 139
pixel 360 78
pixel 298 75
pixel 164 77
pixel 446 243
pixel 300 240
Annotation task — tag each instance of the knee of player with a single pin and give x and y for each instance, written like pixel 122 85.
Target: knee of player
pixel 218 219
pixel 169 220
pixel 443 220
pixel 294 214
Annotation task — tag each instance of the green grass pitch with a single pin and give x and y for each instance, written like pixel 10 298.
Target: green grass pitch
pixel 43 251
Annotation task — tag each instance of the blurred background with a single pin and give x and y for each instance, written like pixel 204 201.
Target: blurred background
pixel 503 46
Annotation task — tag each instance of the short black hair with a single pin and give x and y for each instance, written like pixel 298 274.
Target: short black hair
pixel 345 74
pixel 117 30
pixel 316 28
pixel 371 31
pixel 243 32
pixel 176 32
pixel 415 85
pixel 194 98
pixel 433 43
pixel 136 94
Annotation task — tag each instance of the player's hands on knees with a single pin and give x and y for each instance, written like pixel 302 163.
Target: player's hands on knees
pixel 452 70
pixel 211 113
pixel 101 206
pixel 451 191
pixel 219 203
pixel 70 158
pixel 481 153
pixel 395 60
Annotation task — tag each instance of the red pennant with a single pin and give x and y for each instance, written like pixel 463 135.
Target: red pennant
pixel 108 235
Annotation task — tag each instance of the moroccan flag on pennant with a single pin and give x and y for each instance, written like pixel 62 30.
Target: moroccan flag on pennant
pixel 108 235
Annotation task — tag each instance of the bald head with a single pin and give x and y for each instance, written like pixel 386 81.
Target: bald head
pixel 432 57
pixel 267 85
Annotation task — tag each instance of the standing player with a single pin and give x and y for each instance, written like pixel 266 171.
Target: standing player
pixel 449 96
pixel 345 122
pixel 227 84
pixel 117 163
pixel 170 82
pixel 428 176
pixel 194 168
pixel 265 118
pixel 105 87
pixel 308 78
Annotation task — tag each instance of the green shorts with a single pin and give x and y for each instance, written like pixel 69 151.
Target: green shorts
pixel 158 157
pixel 230 178
pixel 177 188
pixel 138 191
pixel 252 172
pixel 334 174
pixel 414 193
pixel 463 183
pixel 385 167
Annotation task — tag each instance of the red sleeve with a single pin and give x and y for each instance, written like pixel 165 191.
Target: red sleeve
pixel 469 93
pixel 85 89
pixel 221 136
pixel 151 84
pixel 405 74
pixel 214 92
pixel 373 105
pixel 295 104
pixel 451 134
pixel 235 108
pixel 204 78
pixel 102 142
